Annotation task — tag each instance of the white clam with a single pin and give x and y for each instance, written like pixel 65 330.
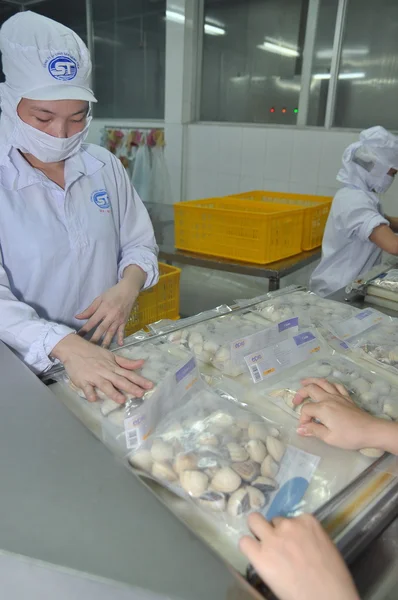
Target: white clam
pixel 369 397
pixel 324 370
pixel 275 448
pixel 210 346
pixel 239 503
pixel 194 482
pixel 391 410
pixel 361 385
pixel 222 355
pixel 195 339
pixel 257 450
pixel 237 453
pixel 185 462
pixel 174 432
pixel 117 417
pixel 372 452
pixel 141 460
pixel 269 468
pixel 257 431
pixel 161 451
pixel 163 471
pixel 208 439
pixel 266 484
pixel 380 387
pixel 256 497
pixel 108 406
pixel 221 418
pixel 226 480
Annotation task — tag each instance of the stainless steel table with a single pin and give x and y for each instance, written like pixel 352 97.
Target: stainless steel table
pixel 82 519
pixel 162 217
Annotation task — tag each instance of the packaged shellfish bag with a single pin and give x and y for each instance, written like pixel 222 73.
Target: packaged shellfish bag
pixel 294 301
pixel 223 342
pixel 287 365
pixel 222 458
pixel 372 335
pixel 159 361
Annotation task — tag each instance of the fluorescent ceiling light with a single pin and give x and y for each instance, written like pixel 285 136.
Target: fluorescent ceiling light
pixel 278 49
pixel 176 17
pixel 346 52
pixel 359 75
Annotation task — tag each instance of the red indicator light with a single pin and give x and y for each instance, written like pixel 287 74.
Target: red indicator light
pixel 272 110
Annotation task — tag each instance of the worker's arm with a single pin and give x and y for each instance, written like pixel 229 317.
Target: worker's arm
pixel 384 237
pixel 21 328
pixel 335 419
pixel 393 223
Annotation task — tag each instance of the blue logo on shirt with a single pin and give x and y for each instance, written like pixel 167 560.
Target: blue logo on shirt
pixel 100 198
pixel 63 68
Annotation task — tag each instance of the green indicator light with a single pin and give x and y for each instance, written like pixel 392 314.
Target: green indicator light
pixel 295 111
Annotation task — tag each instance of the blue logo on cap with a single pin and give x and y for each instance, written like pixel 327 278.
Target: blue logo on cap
pixel 63 68
pixel 100 198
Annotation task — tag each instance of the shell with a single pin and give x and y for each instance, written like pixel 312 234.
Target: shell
pixel 195 339
pixel 257 431
pixel 210 346
pixel 380 387
pixel 117 417
pixel 269 468
pixel 109 406
pixel 257 450
pixel 208 439
pixel 213 500
pixel 274 432
pixel 220 418
pixel 239 503
pixel 256 497
pixel 197 349
pixel 163 471
pixel 141 460
pixel 369 397
pixel 247 470
pixel 185 462
pixel 243 422
pixel 275 448
pixel 225 480
pixel 161 451
pixel 391 410
pixel 194 482
pixel 265 484
pixel 324 370
pixel 237 453
pixel 372 452
pixel 361 385
pixel 222 355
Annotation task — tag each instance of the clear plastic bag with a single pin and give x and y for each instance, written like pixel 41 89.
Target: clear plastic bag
pixel 387 280
pixel 223 342
pixel 226 460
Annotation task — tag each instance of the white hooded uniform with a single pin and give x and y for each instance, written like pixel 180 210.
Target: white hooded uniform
pixel 347 251
pixel 59 248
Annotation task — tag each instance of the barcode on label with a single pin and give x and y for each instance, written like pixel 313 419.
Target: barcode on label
pixel 131 439
pixel 256 373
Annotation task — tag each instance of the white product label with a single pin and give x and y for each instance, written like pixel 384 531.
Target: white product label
pixel 269 336
pixel 165 398
pixel 272 360
pixel 356 325
pixel 295 474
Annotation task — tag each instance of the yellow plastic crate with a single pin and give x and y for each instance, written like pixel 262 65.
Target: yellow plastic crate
pixel 239 229
pixel 160 302
pixel 316 213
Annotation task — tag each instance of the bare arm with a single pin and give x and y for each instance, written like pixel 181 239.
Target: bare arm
pixel 384 237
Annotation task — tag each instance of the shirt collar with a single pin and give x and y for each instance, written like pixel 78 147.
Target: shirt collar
pixel 16 173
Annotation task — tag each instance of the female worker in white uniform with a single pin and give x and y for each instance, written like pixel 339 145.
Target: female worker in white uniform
pixel 357 231
pixel 76 242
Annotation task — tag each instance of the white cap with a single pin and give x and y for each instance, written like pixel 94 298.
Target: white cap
pixel 43 60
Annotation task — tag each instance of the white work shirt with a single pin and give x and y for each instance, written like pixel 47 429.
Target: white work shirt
pixel 347 251
pixel 60 249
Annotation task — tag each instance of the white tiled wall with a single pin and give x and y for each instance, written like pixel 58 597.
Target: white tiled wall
pixel 222 159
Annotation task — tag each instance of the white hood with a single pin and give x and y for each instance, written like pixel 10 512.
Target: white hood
pixel 367 162
pixel 42 60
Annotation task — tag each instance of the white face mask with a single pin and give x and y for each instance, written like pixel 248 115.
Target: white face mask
pixel 45 147
pixel 384 183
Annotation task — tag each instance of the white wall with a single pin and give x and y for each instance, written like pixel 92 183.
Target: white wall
pixel 223 159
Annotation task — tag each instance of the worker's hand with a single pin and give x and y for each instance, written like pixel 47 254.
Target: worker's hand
pixel 297 560
pixel 90 367
pixel 339 421
pixel 109 312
